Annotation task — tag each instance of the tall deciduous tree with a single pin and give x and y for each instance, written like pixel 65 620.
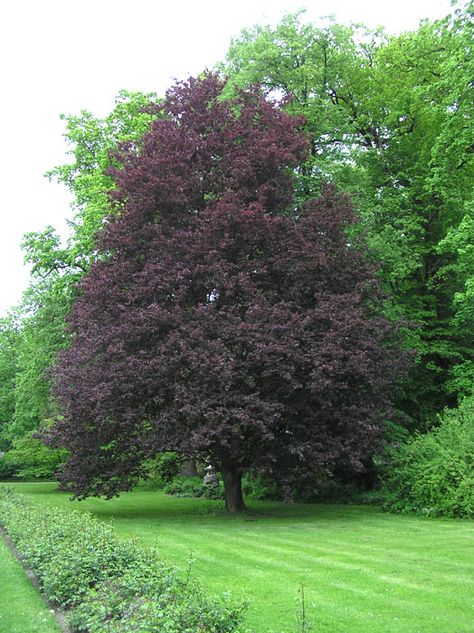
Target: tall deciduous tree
pixel 38 328
pixel 220 324
pixel 41 334
pixel 391 123
pixel 8 368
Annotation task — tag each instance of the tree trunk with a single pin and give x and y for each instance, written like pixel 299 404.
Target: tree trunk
pixel 189 468
pixel 234 501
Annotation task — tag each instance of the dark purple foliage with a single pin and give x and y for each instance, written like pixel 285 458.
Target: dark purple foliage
pixel 219 325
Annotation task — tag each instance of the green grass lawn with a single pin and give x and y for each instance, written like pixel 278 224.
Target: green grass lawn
pixel 364 571
pixel 22 610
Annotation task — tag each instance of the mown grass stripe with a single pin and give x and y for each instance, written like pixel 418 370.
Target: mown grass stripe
pixel 334 555
pixel 405 595
pixel 329 567
pixel 364 571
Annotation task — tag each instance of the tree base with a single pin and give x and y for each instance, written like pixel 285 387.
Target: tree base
pixel 234 501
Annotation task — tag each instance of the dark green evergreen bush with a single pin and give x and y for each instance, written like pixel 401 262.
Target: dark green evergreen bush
pixel 433 474
pixel 110 585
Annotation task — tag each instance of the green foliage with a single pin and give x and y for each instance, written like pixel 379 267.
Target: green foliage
pixel 391 123
pixel 30 459
pixel 433 474
pixel 147 598
pixel 162 474
pixel 298 486
pixel 162 469
pixel 301 485
pixel 325 73
pixel 258 486
pixel 193 487
pixel 69 551
pixel 93 141
pixel 41 335
pixel 308 487
pixel 31 338
pixel 8 368
pixel 115 586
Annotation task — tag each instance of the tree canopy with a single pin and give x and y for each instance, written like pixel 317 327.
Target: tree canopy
pixel 386 120
pixel 224 321
pixel 35 331
pixel 390 123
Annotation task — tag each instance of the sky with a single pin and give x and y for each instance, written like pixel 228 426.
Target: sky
pixel 63 56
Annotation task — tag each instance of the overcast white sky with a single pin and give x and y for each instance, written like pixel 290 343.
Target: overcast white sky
pixel 61 56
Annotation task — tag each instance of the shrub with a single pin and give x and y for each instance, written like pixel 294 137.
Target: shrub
pixel 6 469
pixel 30 459
pixel 147 598
pixel 433 474
pixel 258 486
pixel 193 487
pixel 302 485
pixel 162 469
pixel 111 585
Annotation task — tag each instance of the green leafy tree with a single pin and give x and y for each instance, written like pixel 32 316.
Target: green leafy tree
pixel 41 334
pixel 453 175
pixel 8 369
pixel 390 122
pixel 325 73
pixel 57 266
pixel 93 141
pixel 424 179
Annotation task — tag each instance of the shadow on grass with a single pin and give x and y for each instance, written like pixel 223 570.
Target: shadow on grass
pixel 154 506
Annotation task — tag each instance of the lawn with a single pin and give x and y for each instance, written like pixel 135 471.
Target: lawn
pixel 22 610
pixel 363 571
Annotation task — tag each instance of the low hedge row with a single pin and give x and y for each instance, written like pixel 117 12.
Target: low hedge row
pixel 109 585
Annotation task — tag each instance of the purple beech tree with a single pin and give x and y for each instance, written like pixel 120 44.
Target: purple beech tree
pixel 218 325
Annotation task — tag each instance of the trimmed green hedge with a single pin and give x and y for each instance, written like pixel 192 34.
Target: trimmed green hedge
pixel 109 585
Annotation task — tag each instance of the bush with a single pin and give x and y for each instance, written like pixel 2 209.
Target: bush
pixel 30 459
pixel 433 474
pixel 162 469
pixel 112 586
pixel 147 598
pixel 193 487
pixel 6 469
pixel 300 484
pixel 258 486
